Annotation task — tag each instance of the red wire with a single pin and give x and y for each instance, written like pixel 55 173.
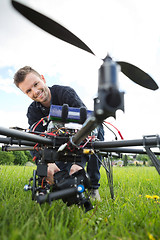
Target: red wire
pixel 116 129
pixel 34 158
pixel 37 124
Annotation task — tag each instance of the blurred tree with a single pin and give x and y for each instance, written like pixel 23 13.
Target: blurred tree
pixel 6 158
pixel 20 158
pixel 29 156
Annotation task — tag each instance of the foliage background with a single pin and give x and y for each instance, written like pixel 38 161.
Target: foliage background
pixel 15 157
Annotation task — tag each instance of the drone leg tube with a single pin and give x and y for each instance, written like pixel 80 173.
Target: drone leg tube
pixel 34 185
pixel 109 171
pixel 153 158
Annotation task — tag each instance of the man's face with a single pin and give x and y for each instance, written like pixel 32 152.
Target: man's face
pixel 35 88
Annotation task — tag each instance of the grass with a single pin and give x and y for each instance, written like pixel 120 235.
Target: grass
pixel 134 214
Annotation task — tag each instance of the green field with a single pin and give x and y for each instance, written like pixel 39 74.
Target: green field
pixel 134 214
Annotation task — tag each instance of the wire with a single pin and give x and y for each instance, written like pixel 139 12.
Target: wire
pixel 115 128
pixel 110 130
pixel 37 124
pixel 34 125
pixel 89 139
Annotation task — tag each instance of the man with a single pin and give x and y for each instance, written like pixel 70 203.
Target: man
pixel 34 86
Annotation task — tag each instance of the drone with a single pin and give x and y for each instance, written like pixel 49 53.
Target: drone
pixel 70 131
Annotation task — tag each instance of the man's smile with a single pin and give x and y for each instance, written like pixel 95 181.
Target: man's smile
pixel 40 95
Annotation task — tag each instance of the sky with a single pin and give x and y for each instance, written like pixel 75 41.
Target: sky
pixel 126 29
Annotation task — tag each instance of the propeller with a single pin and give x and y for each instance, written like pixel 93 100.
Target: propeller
pixel 134 73
pixel 137 75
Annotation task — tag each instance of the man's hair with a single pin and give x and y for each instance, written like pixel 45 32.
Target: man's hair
pixel 21 74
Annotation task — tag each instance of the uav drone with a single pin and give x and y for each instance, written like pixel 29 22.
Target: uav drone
pixel 68 144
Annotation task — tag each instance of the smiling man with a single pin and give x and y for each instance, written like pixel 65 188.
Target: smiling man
pixel 34 86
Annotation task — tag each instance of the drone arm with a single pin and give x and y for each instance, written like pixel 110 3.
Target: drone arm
pixel 19 142
pixel 147 142
pixel 20 148
pixel 25 136
pixel 89 125
pixel 153 141
pixel 125 150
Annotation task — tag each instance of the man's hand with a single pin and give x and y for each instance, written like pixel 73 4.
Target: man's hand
pixel 75 168
pixel 52 169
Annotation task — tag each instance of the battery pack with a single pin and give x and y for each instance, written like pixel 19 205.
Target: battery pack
pixel 68 114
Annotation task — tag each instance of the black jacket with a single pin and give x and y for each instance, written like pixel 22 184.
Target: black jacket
pixel 59 96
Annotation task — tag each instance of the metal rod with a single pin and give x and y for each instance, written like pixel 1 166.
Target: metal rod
pixel 151 142
pixel 89 125
pixel 153 158
pixel 16 142
pixel 127 150
pixel 25 136
pixel 57 195
pixel 8 148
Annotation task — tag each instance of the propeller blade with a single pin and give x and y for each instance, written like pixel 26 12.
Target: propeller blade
pixel 134 73
pixel 138 76
pixel 50 26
